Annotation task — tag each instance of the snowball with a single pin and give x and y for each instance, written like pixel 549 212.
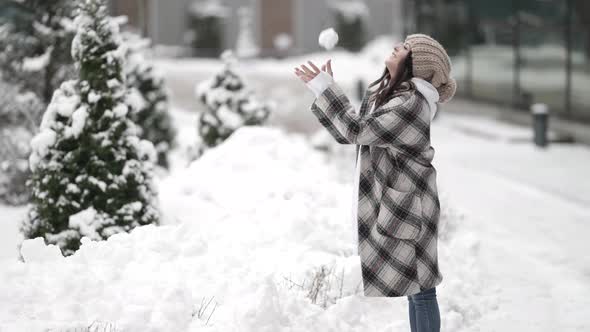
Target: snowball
pixel 328 38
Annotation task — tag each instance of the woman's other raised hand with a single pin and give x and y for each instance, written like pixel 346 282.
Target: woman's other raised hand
pixel 306 74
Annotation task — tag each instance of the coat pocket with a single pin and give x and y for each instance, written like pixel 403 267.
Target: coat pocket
pixel 400 214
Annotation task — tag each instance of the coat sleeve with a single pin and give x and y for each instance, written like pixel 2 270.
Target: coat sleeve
pixel 319 83
pixel 398 123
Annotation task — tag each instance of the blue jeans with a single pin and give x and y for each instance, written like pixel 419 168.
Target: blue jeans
pixel 424 313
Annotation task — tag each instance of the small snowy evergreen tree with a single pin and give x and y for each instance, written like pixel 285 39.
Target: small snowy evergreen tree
pixel 18 122
pixel 34 60
pixel 148 98
pixel 229 105
pixel 91 174
pixel 35 56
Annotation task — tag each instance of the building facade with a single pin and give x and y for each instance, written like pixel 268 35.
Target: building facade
pixel 165 22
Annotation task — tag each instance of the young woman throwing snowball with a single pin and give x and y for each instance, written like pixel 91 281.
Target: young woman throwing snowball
pixel 395 207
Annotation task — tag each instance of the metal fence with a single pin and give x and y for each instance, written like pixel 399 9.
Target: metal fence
pixel 513 52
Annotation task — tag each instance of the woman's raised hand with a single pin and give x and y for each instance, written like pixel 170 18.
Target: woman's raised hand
pixel 306 74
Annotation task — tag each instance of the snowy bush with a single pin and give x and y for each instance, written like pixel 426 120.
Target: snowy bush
pixel 148 98
pixel 18 109
pixel 34 54
pixel 14 167
pixel 205 22
pixel 351 23
pixel 229 105
pixel 91 174
pixel 19 113
pixel 34 60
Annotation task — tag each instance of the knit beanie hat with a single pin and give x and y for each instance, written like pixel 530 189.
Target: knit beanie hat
pixel 431 62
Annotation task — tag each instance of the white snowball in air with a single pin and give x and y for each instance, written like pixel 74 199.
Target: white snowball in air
pixel 328 38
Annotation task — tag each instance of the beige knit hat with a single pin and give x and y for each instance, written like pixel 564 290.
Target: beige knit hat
pixel 431 62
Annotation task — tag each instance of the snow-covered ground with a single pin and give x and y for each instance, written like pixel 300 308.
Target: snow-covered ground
pixel 251 223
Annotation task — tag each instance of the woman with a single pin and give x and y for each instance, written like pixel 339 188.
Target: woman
pixel 396 206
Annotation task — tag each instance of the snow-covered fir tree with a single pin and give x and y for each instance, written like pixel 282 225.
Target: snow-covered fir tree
pixel 34 60
pixel 229 105
pixel 148 97
pixel 91 174
pixel 18 122
pixel 34 52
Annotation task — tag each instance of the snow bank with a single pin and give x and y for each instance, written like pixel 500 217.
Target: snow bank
pixel 256 218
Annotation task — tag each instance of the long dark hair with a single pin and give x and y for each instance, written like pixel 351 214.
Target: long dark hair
pixel 389 88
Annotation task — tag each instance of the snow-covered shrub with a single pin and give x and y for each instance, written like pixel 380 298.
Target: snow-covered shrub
pixel 14 166
pixel 34 54
pixel 229 105
pixel 148 98
pixel 91 175
pixel 351 23
pixel 19 113
pixel 205 27
pixel 18 109
pixel 34 60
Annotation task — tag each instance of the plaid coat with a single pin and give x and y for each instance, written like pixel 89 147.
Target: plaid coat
pixel 398 205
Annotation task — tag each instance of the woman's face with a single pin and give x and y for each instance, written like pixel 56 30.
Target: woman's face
pixel 397 57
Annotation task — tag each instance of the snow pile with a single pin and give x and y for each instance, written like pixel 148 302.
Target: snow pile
pixel 259 217
pixel 328 38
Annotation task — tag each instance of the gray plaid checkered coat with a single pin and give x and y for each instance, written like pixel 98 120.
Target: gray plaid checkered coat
pixel 398 205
